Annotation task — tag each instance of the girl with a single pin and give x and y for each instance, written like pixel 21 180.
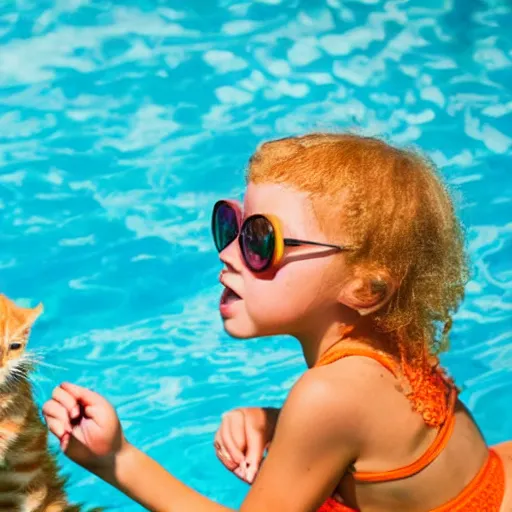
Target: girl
pixel 352 247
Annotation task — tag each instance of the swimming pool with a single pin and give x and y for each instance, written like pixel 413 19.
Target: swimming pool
pixel 122 122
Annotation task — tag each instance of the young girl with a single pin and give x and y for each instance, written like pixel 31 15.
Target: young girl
pixel 352 247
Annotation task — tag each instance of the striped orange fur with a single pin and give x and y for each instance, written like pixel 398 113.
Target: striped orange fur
pixel 29 475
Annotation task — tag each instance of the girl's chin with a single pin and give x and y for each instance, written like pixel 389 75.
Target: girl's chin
pixel 238 331
pixel 241 330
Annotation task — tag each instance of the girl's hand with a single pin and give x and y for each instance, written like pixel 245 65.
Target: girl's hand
pixel 86 424
pixel 243 437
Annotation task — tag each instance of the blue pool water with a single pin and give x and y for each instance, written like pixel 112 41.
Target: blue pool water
pixel 120 124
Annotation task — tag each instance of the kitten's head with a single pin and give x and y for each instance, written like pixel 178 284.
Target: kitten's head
pixel 15 325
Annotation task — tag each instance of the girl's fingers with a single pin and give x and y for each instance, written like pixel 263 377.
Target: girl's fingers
pixel 56 427
pixel 224 458
pixel 255 451
pixel 222 454
pixel 240 473
pixel 64 441
pixel 84 395
pixel 55 411
pixel 221 443
pixel 235 424
pixel 216 440
pixel 67 400
pixel 229 445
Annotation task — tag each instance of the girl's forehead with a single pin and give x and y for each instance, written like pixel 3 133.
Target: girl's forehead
pixel 290 205
pixel 273 197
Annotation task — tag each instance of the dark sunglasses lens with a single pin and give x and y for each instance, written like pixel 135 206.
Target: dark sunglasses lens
pixel 258 242
pixel 224 226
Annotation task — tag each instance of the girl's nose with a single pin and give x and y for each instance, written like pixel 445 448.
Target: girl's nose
pixel 231 257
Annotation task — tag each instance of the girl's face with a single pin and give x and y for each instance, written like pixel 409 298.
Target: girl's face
pixel 299 297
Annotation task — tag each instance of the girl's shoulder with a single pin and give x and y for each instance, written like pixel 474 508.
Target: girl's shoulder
pixel 357 391
pixel 422 381
pixel 366 395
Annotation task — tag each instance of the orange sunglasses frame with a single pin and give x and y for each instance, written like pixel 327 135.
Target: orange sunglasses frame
pixel 280 242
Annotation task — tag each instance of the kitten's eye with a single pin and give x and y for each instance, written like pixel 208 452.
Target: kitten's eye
pixel 15 346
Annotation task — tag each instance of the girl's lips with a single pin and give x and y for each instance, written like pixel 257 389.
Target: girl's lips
pixel 228 301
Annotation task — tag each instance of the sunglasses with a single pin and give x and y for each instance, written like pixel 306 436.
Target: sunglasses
pixel 260 237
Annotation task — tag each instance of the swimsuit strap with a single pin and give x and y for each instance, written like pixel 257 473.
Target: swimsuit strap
pixel 344 349
pixel 441 440
pixel 484 492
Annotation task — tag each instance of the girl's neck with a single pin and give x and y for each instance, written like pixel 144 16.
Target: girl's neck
pixel 361 333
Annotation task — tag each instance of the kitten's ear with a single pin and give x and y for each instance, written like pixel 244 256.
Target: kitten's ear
pixel 31 315
pixel 35 312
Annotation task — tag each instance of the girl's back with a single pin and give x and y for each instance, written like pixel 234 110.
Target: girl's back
pixel 458 474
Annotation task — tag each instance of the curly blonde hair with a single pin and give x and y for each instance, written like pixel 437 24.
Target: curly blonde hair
pixel 398 213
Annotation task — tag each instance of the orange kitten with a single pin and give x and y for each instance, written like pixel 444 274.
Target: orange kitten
pixel 29 480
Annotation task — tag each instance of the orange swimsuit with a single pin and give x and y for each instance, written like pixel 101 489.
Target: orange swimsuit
pixel 435 399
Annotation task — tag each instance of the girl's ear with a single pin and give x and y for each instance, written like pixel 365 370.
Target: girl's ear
pixel 368 291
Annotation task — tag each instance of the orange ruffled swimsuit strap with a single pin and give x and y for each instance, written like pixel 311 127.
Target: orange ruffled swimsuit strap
pixel 484 493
